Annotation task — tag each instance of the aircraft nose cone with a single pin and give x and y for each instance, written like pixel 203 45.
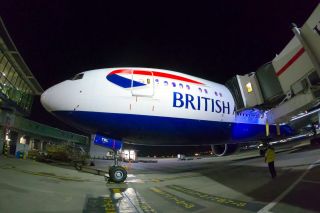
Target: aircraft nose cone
pixel 46 99
pixel 60 97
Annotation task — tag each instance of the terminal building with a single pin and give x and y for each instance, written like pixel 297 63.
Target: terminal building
pixel 18 87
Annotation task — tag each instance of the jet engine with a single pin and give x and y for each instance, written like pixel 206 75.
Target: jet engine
pixel 224 149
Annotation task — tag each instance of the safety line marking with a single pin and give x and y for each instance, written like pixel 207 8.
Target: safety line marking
pixel 109 205
pixel 310 181
pixel 185 204
pixel 156 180
pixel 283 194
pixel 251 206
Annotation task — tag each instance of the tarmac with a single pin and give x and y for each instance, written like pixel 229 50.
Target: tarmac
pixel 236 183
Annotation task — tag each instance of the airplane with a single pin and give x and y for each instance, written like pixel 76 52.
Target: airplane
pixel 155 107
pixel 151 106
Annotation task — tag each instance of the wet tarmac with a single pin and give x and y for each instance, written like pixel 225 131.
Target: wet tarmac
pixel 237 183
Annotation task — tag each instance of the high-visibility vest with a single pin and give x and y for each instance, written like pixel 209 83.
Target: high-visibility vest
pixel 270 155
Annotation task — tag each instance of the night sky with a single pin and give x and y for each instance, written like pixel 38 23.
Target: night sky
pixel 209 39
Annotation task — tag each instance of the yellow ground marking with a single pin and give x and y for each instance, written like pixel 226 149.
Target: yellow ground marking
pixel 187 205
pixel 115 190
pixel 109 206
pixel 206 196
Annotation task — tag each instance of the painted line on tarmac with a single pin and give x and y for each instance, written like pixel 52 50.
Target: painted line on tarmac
pixel 184 204
pixel 133 179
pixel 311 181
pixel 251 206
pixel 100 204
pixel 109 205
pixel 289 189
pixel 157 180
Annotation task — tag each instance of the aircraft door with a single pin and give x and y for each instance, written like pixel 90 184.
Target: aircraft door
pixel 142 83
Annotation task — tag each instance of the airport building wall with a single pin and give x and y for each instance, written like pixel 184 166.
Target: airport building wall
pixel 17 132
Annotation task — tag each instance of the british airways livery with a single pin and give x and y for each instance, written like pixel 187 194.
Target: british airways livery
pixel 160 107
pixel 152 107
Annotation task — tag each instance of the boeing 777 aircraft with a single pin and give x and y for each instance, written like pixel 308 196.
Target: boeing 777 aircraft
pixel 154 107
pixel 161 107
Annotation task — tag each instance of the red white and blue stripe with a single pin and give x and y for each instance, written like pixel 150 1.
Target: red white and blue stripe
pixel 127 82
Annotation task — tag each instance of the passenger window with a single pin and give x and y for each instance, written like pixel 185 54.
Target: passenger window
pixel 220 94
pixel 148 81
pixel 166 83
pixel 173 84
pixel 200 90
pixel 157 81
pixel 188 87
pixel 181 86
pixel 206 91
pixel 216 93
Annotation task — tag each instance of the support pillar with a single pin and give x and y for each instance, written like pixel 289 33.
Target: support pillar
pixel 267 128
pixel 278 129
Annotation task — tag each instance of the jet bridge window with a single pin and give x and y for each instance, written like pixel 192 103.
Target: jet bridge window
pixel 77 77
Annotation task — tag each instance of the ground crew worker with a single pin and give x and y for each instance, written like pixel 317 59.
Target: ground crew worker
pixel 269 158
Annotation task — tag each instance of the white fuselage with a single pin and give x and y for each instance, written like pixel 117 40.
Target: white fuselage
pixel 125 102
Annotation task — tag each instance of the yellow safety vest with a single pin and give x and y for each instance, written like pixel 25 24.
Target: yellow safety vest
pixel 270 155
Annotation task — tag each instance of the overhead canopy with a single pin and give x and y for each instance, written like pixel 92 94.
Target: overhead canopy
pixel 10 50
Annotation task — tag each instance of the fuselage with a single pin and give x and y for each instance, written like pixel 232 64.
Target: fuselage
pixel 152 107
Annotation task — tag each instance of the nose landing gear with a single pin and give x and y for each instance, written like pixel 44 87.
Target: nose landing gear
pixel 117 173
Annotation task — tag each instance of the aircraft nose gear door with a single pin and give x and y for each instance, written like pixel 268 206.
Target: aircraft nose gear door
pixel 142 83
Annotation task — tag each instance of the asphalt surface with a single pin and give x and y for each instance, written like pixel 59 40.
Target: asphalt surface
pixel 237 183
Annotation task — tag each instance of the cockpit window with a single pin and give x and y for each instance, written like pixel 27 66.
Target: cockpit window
pixel 77 76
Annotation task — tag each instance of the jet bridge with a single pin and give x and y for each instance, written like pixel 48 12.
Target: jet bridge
pixel 290 83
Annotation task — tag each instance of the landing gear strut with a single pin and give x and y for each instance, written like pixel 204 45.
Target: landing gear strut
pixel 117 173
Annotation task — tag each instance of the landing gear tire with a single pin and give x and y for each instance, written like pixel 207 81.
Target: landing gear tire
pixel 117 174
